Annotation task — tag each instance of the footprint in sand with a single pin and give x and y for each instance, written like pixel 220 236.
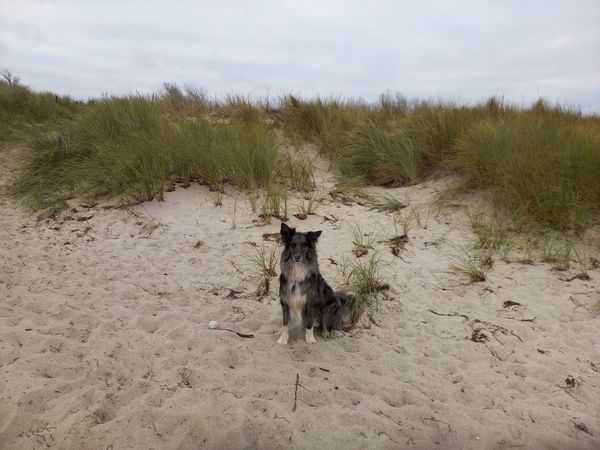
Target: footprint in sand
pixel 149 324
pixel 229 358
pixel 106 412
pixel 398 399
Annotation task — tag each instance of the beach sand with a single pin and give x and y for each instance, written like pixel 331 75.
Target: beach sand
pixel 104 342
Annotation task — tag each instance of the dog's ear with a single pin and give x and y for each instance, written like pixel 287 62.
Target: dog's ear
pixel 286 233
pixel 314 235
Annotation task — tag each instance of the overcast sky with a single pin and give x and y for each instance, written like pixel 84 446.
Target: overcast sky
pixel 464 51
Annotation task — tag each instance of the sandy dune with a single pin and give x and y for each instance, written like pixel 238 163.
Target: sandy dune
pixel 104 341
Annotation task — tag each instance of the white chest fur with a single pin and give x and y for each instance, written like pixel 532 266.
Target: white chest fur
pixel 298 273
pixel 296 299
pixel 296 302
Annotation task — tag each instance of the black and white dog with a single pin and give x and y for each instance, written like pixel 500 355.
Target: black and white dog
pixel 306 298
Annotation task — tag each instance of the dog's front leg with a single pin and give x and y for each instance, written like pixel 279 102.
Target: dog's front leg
pixel 310 322
pixel 310 336
pixel 283 339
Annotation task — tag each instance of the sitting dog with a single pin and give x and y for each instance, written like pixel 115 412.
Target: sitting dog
pixel 306 298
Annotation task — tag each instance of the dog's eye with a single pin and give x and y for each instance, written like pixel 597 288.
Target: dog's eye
pixel 293 245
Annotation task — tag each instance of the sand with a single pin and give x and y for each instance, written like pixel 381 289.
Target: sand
pixel 104 339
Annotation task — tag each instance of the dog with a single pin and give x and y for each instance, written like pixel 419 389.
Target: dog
pixel 306 298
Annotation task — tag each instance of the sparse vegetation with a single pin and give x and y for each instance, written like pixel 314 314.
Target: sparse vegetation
pixel 363 242
pixel 296 172
pixel 596 309
pixel 308 206
pixel 556 253
pixel 492 234
pixel 264 261
pixel 275 203
pixel 386 203
pixel 472 267
pixel 405 221
pixel 217 194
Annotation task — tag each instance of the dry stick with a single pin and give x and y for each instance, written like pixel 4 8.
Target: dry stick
pixel 239 334
pixel 279 417
pixel 296 392
pixel 579 276
pixel 449 315
pixel 494 354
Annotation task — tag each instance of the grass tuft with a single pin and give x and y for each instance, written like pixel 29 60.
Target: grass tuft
pixel 363 242
pixel 472 267
pixel 364 279
pixel 265 261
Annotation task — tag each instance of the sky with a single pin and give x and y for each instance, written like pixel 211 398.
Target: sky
pixel 461 51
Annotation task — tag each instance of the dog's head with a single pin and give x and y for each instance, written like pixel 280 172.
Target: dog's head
pixel 299 247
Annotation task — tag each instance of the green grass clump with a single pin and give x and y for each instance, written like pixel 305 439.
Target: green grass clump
pixel 364 280
pixel 303 120
pixel 190 101
pixel 378 153
pixel 542 166
pixel 264 261
pixel 116 147
pixel 125 148
pixel 470 266
pixel 392 143
pixel 296 171
pixel 21 108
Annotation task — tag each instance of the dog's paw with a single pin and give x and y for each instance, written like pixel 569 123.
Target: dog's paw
pixel 283 340
pixel 336 333
pixel 311 340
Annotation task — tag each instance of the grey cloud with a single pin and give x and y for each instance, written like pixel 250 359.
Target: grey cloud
pixel 460 50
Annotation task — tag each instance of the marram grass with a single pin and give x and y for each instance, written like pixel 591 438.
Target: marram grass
pixel 541 162
pixel 126 148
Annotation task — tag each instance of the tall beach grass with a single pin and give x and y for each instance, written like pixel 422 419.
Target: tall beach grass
pixel 126 147
pixel 540 161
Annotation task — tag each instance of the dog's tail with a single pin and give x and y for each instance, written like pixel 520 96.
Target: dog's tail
pixel 344 296
pixel 335 311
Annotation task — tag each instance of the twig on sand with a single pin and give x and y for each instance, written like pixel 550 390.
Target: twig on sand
pixel 494 354
pixel 296 391
pixel 239 334
pixel 449 314
pixel 581 426
pixel 579 276
pixel 493 329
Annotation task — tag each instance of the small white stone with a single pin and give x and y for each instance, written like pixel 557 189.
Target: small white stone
pixel 213 325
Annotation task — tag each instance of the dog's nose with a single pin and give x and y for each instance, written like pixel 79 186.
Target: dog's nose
pixel 296 257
